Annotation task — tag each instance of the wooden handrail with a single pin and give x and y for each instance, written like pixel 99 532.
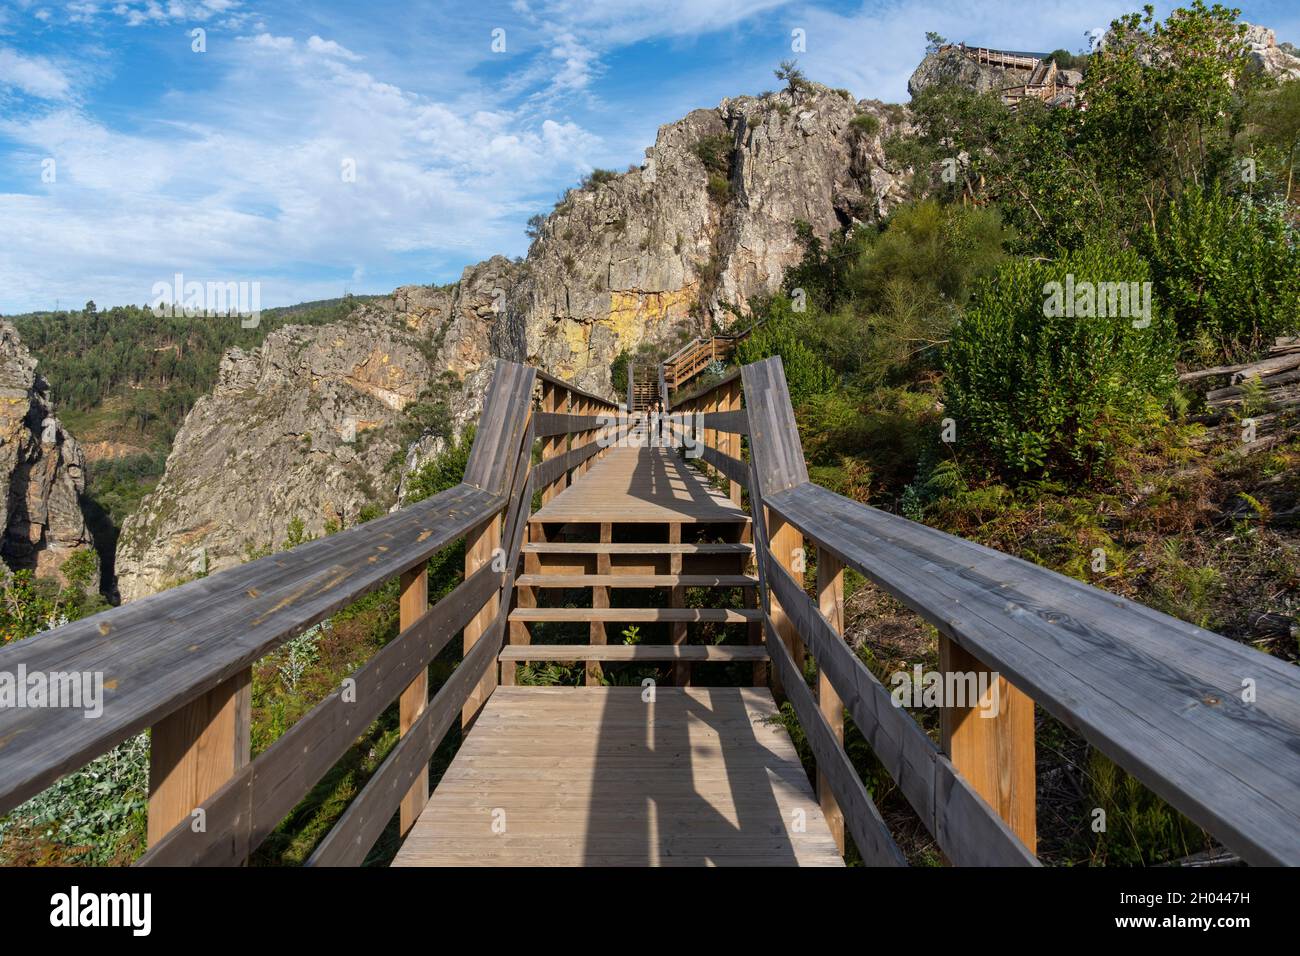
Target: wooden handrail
pixel 1161 697
pixel 170 653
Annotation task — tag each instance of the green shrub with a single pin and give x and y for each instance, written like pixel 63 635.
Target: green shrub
pixel 715 152
pixel 719 187
pixel 865 124
pixel 1042 392
pixel 1227 270
pixel 805 373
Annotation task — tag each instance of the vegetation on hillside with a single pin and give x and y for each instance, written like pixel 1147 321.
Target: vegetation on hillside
pixel 1000 359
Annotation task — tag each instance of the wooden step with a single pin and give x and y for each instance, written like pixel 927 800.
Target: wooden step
pixel 634 652
pixel 637 580
pixel 589 547
pixel 631 615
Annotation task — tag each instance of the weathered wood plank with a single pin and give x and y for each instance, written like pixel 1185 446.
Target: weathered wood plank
pixel 773 436
pixel 634 652
pixel 501 427
pixel 164 650
pixel 243 812
pixel 923 774
pixel 870 834
pixel 734 422
pixel 1159 696
pixel 366 816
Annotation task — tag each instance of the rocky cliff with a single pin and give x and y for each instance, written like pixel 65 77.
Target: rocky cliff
pixel 680 242
pixel 42 469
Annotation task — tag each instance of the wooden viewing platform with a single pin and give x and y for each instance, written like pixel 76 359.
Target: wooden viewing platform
pixel 678 602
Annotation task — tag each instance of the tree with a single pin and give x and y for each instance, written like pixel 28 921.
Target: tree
pixel 933 42
pixel 792 76
pixel 1275 121
pixel 536 223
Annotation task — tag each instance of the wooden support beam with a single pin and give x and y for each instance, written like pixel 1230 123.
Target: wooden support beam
pixel 733 447
pixel 677 598
pixel 196 749
pixel 830 600
pixel 995 755
pixel 785 542
pixel 412 602
pixel 480 546
pixel 599 598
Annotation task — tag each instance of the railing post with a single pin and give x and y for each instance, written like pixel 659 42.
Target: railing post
pixel 677 598
pixel 830 599
pixel 785 544
pixel 599 599
pixel 732 404
pixel 195 750
pixel 413 602
pixel 994 754
pixel 480 546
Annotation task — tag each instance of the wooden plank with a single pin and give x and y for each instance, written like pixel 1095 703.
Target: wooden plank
pixel 161 652
pixel 736 422
pixel 633 652
pixel 552 470
pixel 636 615
pixel 994 754
pixel 243 813
pixel 773 436
pixel 830 599
pixel 554 423
pixel 412 604
pixel 365 818
pixel 640 486
pixel 731 468
pixel 195 750
pixel 570 387
pixel 1105 666
pixel 698 776
pixel 969 832
pixel 480 547
pixel 591 547
pixel 637 580
pixel 599 599
pixel 501 427
pixel 870 834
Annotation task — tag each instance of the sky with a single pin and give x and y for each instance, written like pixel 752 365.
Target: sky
pixel 318 148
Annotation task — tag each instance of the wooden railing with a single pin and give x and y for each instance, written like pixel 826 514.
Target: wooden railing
pixel 1208 724
pixel 180 661
pixel 694 357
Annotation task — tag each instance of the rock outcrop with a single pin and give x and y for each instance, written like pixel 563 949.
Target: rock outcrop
pixel 314 425
pixel 707 222
pixel 42 467
pixel 1270 58
pixel 668 248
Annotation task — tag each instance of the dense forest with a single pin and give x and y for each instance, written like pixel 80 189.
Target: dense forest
pixel 123 380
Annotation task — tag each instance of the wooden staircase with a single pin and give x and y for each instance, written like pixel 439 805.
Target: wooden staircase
pixel 624 548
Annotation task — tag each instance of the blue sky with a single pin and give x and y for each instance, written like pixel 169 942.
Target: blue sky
pixel 228 164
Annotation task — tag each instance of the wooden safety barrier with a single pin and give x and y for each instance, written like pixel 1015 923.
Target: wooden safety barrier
pixel 1162 698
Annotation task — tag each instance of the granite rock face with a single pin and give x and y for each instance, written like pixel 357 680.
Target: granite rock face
pixel 317 423
pixel 42 467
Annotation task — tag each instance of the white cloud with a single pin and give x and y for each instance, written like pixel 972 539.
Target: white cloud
pixel 33 75
pixel 330 48
pixel 245 181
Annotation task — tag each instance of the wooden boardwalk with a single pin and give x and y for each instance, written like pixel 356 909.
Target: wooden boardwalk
pixel 641 486
pixel 598 776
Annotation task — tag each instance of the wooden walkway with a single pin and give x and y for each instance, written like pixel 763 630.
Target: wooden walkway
pixel 598 776
pixel 641 486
